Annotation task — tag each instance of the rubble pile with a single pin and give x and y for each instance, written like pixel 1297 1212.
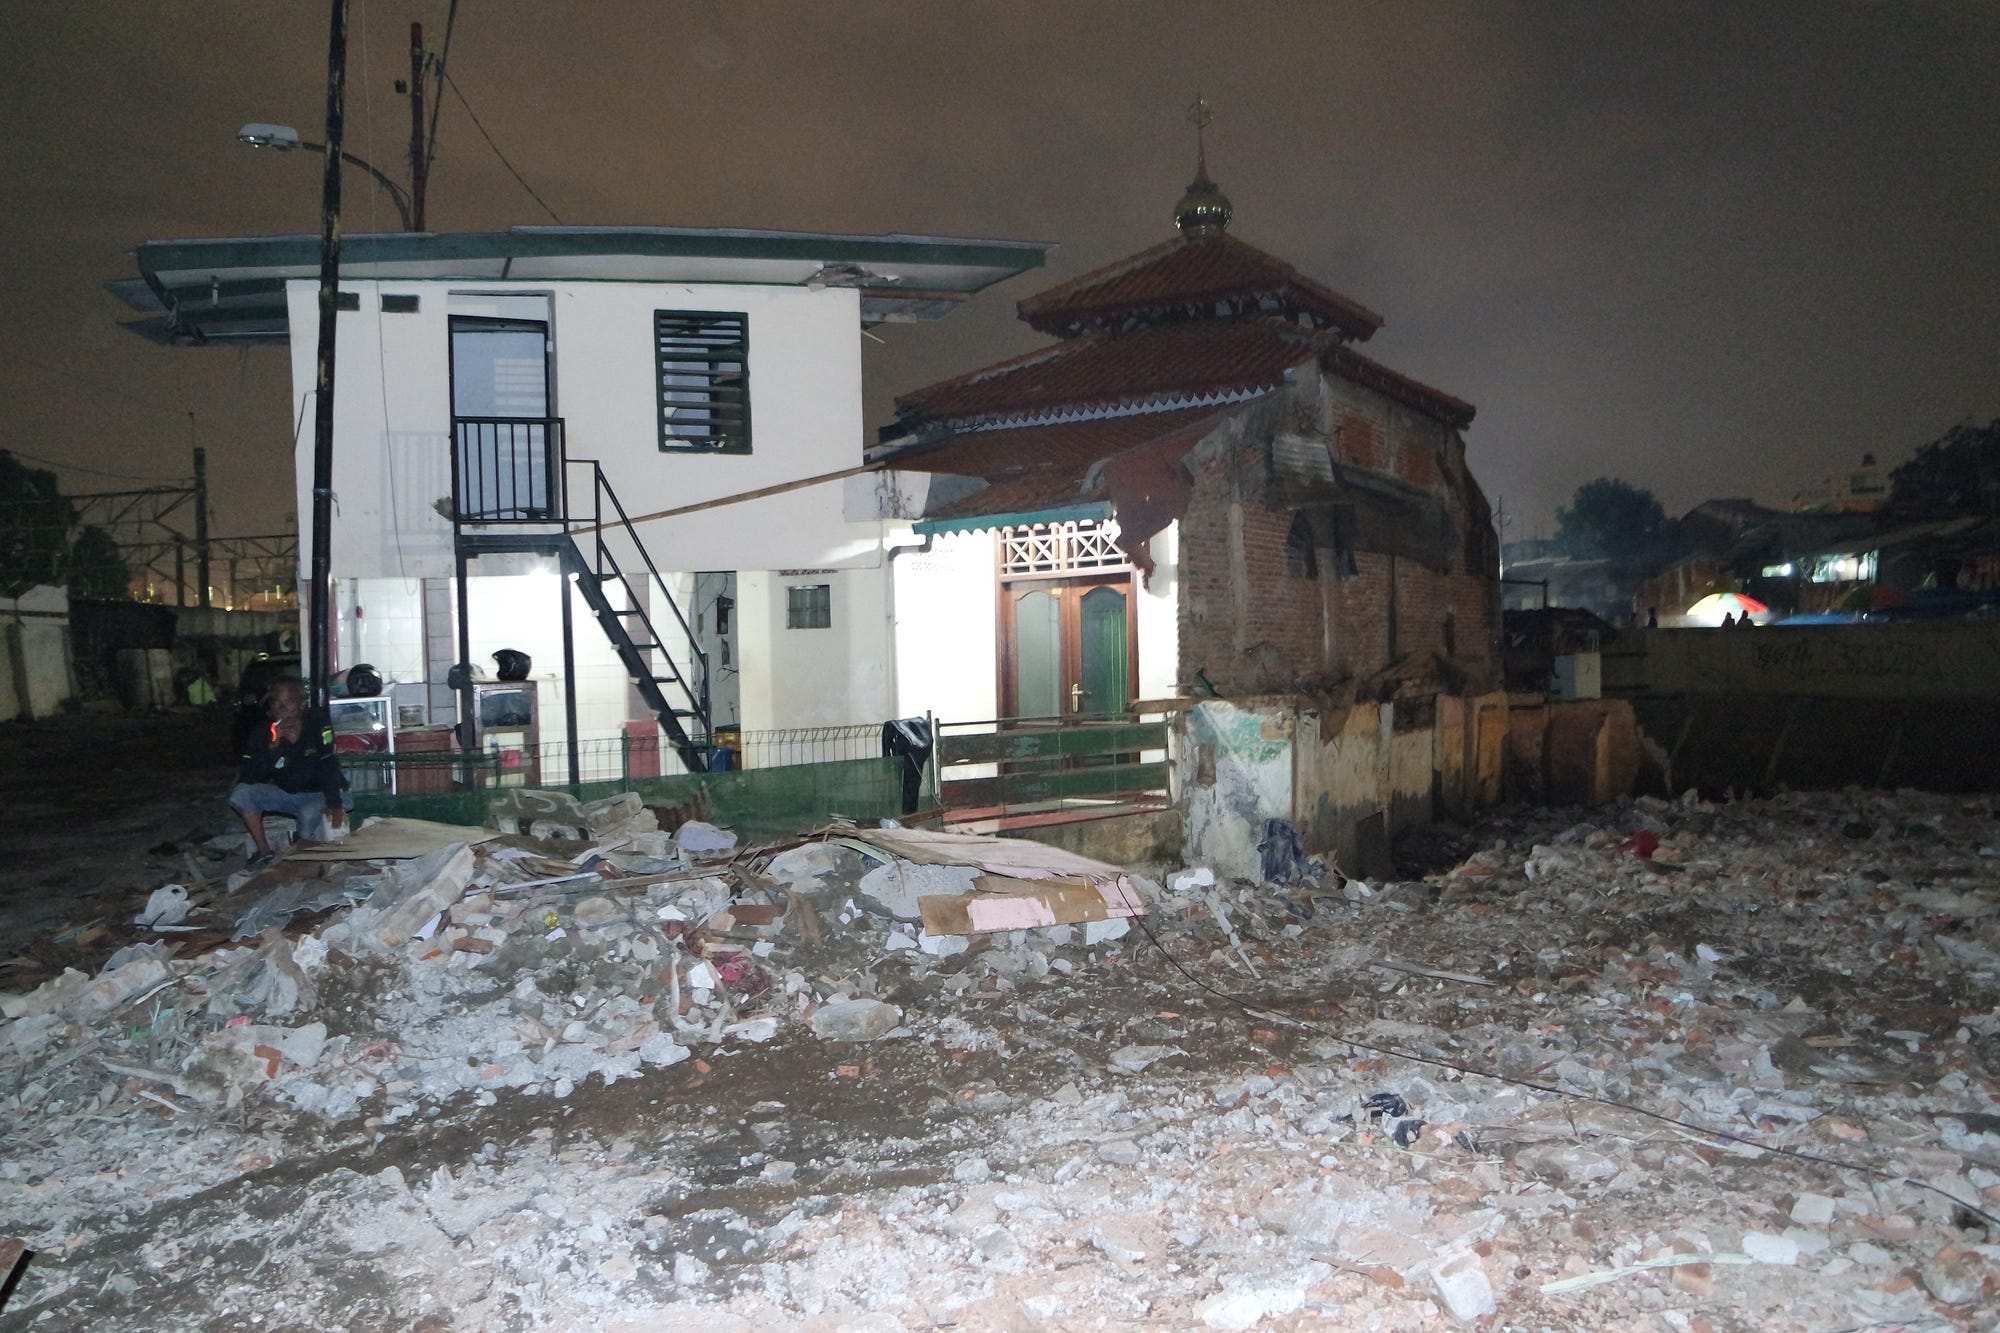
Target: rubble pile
pixel 1575 1080
pixel 479 967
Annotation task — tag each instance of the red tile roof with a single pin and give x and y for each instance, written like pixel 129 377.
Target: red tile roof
pixel 1350 364
pixel 1023 495
pixel 999 455
pixel 1192 276
pixel 1167 365
pixel 1042 467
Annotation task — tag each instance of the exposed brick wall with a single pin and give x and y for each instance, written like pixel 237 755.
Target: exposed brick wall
pixel 1416 462
pixel 1360 444
pixel 1251 627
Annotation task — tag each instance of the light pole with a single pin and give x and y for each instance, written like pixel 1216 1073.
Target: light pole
pixel 285 139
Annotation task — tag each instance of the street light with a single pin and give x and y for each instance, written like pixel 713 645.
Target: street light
pixel 285 139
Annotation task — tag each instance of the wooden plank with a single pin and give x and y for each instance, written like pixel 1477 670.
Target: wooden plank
pixel 1053 742
pixel 1055 784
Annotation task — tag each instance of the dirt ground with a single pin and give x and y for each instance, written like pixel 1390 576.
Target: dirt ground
pixel 1201 1125
pixel 86 799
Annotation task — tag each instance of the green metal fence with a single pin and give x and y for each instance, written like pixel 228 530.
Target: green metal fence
pixel 457 789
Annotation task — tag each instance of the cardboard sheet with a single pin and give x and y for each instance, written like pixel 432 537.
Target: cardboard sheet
pixel 998 856
pixel 390 840
pixel 1004 903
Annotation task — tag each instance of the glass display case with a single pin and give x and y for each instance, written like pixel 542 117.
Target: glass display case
pixel 362 728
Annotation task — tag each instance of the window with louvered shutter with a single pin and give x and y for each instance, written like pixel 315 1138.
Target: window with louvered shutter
pixel 703 380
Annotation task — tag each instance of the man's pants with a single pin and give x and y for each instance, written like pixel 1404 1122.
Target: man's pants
pixel 307 808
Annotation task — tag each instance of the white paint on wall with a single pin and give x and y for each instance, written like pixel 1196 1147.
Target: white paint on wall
pixel 392 480
pixel 392 423
pixel 946 632
pixel 802 677
pixel 1158 610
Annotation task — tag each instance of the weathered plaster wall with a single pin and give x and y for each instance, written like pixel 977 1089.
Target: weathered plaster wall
pixel 1349 781
pixel 1235 771
pixel 35 675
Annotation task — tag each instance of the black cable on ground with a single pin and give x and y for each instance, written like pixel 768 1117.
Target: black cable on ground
pixel 1438 1062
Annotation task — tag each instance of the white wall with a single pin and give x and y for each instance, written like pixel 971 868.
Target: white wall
pixel 814 677
pixel 947 629
pixel 392 467
pixel 524 612
pixel 1159 618
pixel 392 421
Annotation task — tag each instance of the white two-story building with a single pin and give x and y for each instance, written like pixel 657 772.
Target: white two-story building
pixel 527 425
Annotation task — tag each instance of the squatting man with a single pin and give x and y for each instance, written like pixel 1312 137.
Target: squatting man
pixel 289 769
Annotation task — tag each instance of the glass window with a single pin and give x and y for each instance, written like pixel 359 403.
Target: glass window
pixel 809 606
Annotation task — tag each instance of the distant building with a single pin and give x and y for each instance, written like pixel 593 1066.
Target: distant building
pixel 1857 490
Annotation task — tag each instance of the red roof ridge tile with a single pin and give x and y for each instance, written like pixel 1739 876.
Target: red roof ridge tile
pixel 1194 362
pixel 1190 269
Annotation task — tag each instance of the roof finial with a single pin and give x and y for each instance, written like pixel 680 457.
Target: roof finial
pixel 1199 115
pixel 1204 210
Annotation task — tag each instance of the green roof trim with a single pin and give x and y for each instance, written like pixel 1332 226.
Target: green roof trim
pixel 212 286
pixel 1095 510
pixel 302 252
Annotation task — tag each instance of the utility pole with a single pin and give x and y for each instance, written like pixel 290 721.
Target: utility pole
pixel 419 167
pixel 202 598
pixel 318 599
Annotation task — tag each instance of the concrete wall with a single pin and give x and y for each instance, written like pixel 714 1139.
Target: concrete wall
pixel 393 452
pixel 392 425
pixel 1578 752
pixel 1955 660
pixel 35 675
pixel 1351 780
pixel 802 677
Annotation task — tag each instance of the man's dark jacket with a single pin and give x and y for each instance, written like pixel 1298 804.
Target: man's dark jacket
pixel 304 765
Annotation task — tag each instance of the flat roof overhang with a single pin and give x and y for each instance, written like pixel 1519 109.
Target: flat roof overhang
pixel 232 289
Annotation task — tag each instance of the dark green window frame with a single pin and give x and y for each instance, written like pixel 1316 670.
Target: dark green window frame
pixel 809 606
pixel 701 377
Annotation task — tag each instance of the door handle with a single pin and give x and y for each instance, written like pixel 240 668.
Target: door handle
pixel 1076 698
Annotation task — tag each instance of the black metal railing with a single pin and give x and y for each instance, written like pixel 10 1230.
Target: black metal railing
pixel 507 470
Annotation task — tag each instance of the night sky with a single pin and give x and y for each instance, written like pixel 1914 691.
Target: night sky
pixel 1716 249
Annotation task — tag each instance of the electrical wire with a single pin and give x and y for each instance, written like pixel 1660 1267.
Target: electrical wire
pixel 437 103
pixel 1707 1131
pixel 92 471
pixel 453 85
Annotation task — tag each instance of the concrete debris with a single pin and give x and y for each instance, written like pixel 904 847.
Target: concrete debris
pixel 625 1080
pixel 854 1020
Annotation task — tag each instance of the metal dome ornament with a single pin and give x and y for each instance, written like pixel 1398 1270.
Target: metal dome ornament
pixel 1204 210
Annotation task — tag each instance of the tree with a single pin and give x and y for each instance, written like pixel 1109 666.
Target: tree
pixel 1957 473
pixel 1608 518
pixel 97 567
pixel 35 522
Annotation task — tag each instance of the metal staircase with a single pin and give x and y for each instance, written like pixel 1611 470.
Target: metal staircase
pixel 511 487
pixel 678 698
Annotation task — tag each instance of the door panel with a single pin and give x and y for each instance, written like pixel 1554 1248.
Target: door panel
pixel 1038 654
pixel 1066 648
pixel 500 398
pixel 1102 668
